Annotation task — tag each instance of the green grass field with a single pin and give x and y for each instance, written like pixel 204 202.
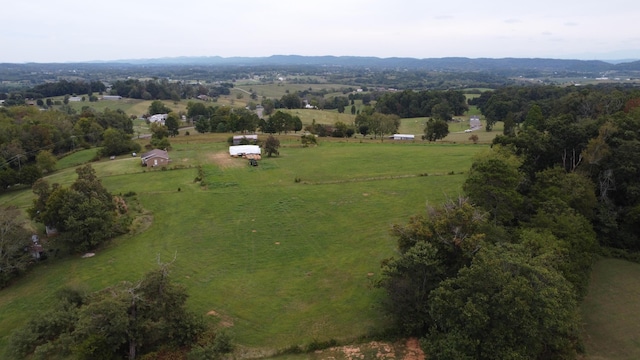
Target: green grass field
pixel 277 90
pixel 279 262
pixel 130 106
pixel 611 311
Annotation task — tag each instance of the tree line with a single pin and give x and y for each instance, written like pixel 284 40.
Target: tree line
pixel 31 140
pixel 500 271
pixel 593 131
pixel 163 89
pixel 441 105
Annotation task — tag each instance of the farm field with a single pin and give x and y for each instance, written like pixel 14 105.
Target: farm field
pixel 130 106
pixel 277 90
pixel 274 261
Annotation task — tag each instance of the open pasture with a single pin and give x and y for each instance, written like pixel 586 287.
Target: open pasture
pixel 278 89
pixel 274 260
pixel 135 107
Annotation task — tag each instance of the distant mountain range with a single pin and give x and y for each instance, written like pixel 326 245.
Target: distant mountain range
pixel 438 64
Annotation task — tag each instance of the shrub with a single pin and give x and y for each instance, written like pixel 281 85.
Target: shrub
pixel 319 345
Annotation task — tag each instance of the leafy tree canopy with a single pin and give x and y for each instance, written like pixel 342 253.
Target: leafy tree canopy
pixel 84 214
pixel 130 320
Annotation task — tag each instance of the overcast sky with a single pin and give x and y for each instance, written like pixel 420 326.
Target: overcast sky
pixel 67 31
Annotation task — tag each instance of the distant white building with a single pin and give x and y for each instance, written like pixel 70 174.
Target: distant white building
pixel 474 122
pixel 159 118
pixel 111 97
pixel 241 150
pixel 402 137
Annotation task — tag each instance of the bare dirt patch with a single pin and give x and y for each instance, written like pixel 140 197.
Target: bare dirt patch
pixel 224 160
pixel 402 350
pixel 225 321
pixel 414 351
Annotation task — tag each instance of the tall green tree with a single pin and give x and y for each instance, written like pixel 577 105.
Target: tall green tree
pixel 505 305
pixel 46 161
pixel 128 320
pixel 493 183
pixel 291 101
pixel 84 214
pixel 14 239
pixel 534 118
pixel 203 125
pixel 433 247
pixel 159 136
pixel 271 146
pixel 117 142
pixel 158 107
pixel 436 130
pixel 173 123
pixel 196 110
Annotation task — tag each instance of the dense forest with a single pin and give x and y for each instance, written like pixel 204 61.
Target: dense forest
pixel 502 270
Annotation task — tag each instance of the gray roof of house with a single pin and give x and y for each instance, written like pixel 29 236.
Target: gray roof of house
pixel 155 152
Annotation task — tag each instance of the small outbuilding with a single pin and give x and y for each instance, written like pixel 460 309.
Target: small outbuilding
pixel 243 150
pixel 158 118
pixel 403 137
pixel 111 97
pixel 155 157
pixel 474 122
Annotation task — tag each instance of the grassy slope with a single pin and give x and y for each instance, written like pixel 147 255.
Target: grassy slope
pixel 130 106
pixel 611 311
pixel 284 262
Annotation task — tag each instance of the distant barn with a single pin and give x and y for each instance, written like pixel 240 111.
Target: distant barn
pixel 158 118
pixel 111 97
pixel 402 137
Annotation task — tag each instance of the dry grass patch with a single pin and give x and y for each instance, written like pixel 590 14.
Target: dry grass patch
pixel 225 161
pixel 224 320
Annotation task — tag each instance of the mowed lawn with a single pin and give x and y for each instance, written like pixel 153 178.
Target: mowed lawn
pixel 611 311
pixel 274 261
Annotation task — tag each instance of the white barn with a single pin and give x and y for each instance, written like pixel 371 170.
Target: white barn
pixel 240 150
pixel 403 137
pixel 159 118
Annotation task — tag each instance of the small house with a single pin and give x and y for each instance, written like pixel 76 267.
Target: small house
pixel 403 137
pixel 155 157
pixel 245 139
pixel 243 150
